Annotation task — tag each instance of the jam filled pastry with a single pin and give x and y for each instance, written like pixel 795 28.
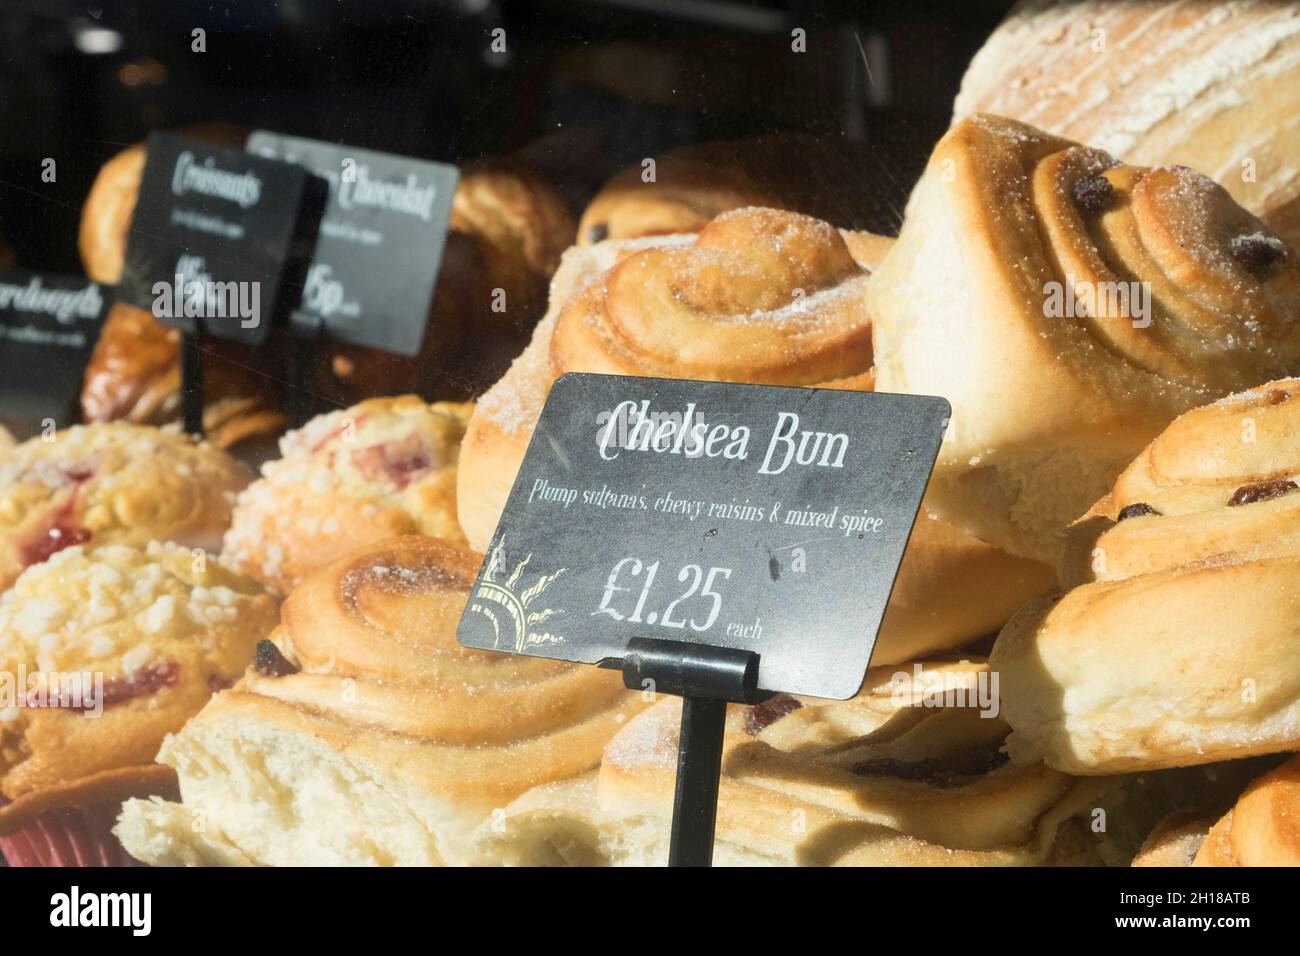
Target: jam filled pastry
pixel 363 733
pixel 883 779
pixel 759 296
pixel 1069 307
pixel 112 484
pixel 109 651
pixel 1178 641
pixel 383 468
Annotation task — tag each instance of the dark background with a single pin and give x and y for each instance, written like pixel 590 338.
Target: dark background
pixel 585 88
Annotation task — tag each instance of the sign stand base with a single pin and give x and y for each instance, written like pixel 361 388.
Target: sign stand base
pixel 706 678
pixel 192 382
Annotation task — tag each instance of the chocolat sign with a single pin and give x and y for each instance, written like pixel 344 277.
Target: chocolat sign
pixel 216 234
pixel 380 245
pixel 759 518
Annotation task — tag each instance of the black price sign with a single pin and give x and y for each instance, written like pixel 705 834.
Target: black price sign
pixel 755 518
pixel 381 240
pixel 48 327
pixel 214 235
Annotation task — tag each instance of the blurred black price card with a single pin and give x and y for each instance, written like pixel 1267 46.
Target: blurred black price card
pixel 751 517
pixel 213 237
pixel 48 327
pixel 376 260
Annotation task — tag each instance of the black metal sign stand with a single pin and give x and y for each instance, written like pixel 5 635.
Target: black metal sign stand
pixel 706 678
pixel 307 330
pixel 192 381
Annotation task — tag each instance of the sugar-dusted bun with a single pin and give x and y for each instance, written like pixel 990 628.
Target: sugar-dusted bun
pixel 112 484
pixel 1209 84
pixel 160 626
pixel 383 468
pixel 1263 829
pixel 1181 643
pixel 872 781
pixel 973 303
pixel 367 734
pixel 610 311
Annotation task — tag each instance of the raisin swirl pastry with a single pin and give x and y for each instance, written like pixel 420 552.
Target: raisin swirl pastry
pixel 1178 642
pixel 383 468
pixel 762 296
pixel 1069 307
pixel 365 734
pixel 1211 84
pixel 873 781
pixel 108 651
pixel 112 484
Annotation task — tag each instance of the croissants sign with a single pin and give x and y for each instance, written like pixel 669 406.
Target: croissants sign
pixel 757 518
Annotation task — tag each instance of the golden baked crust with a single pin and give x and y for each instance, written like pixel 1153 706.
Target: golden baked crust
pixel 1205 83
pixel 1263 829
pixel 382 740
pixel 161 627
pixel 1181 296
pixel 613 309
pixel 382 468
pixel 106 215
pixel 1175 841
pixel 872 781
pixel 1179 645
pixel 112 484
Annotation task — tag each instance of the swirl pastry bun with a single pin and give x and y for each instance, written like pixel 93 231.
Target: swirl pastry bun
pixel 881 779
pixel 112 484
pixel 117 647
pixel 367 735
pixel 1180 643
pixel 380 469
pixel 1069 307
pixel 723 306
pixel 690 186
pixel 1205 83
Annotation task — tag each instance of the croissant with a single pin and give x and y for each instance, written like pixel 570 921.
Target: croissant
pixel 760 296
pixel 1179 642
pixel 1069 307
pixel 882 779
pixel 1209 84
pixel 507 229
pixel 364 734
